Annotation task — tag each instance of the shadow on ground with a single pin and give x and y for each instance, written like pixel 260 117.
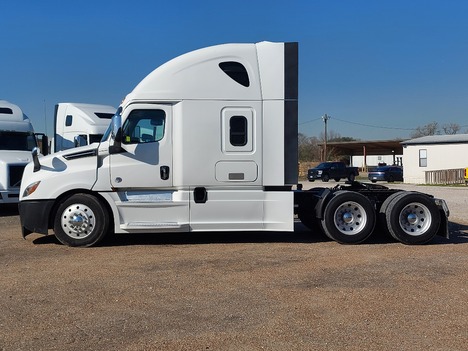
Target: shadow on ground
pixel 8 210
pixel 458 235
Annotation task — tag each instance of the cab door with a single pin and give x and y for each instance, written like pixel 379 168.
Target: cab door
pixel 146 159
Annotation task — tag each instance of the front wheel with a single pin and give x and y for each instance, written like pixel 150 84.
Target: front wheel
pixel 349 218
pixel 412 218
pixel 81 220
pixel 325 177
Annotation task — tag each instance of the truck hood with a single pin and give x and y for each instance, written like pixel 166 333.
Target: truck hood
pixel 62 171
pixel 15 157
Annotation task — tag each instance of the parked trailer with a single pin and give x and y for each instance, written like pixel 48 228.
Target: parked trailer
pixel 208 142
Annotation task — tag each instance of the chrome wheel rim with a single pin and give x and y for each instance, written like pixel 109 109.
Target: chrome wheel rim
pixel 78 221
pixel 350 218
pixel 415 219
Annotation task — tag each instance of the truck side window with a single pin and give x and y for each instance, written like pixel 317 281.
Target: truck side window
pixel 238 131
pixel 144 126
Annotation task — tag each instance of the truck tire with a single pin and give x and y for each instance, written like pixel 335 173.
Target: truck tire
pixel 325 177
pixel 349 218
pixel 81 220
pixel 351 177
pixel 412 218
pixel 337 179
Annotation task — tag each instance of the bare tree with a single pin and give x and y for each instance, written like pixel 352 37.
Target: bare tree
pixel 331 136
pixel 428 129
pixel 308 148
pixel 451 128
pixel 433 129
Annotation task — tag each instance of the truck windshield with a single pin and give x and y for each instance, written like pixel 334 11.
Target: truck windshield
pixel 23 141
pixel 322 166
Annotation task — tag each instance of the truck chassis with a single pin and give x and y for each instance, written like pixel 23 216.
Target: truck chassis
pixel 349 213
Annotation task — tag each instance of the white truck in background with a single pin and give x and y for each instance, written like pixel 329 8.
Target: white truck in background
pixel 208 142
pixel 17 140
pixel 78 124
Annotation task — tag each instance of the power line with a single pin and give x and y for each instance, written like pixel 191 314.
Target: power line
pixel 373 126
pixel 312 120
pixel 360 124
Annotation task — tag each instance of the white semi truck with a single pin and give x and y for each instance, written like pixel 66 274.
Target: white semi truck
pixel 17 140
pixel 78 124
pixel 208 142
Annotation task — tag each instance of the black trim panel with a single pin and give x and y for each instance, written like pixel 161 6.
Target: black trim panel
pixel 291 71
pixel 55 127
pixel 291 81
pixel 277 188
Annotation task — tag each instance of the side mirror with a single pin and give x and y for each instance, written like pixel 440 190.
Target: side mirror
pixel 43 142
pixel 80 140
pixel 45 145
pixel 116 135
pixel 35 157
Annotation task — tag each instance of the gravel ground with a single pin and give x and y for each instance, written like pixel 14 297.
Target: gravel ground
pixel 236 291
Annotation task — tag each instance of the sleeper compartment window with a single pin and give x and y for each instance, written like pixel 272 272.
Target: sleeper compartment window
pixel 238 131
pixel 238 127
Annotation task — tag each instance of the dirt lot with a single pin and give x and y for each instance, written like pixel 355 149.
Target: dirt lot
pixel 235 291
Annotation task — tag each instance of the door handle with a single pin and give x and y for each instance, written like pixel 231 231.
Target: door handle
pixel 164 172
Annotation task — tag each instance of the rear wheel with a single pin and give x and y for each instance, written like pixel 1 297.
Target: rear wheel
pixel 81 221
pixel 349 218
pixel 351 177
pixel 412 218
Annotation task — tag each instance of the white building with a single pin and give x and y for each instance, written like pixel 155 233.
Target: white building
pixel 431 153
pixel 375 160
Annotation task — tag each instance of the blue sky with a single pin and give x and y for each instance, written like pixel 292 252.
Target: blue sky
pixel 378 68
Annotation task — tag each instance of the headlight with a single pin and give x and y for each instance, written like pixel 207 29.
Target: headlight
pixel 31 188
pixel 319 172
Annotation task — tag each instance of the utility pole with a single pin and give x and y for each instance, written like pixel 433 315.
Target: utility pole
pixel 325 119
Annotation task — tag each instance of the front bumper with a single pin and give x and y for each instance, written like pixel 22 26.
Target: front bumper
pixel 34 216
pixel 376 177
pixel 9 196
pixel 314 176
